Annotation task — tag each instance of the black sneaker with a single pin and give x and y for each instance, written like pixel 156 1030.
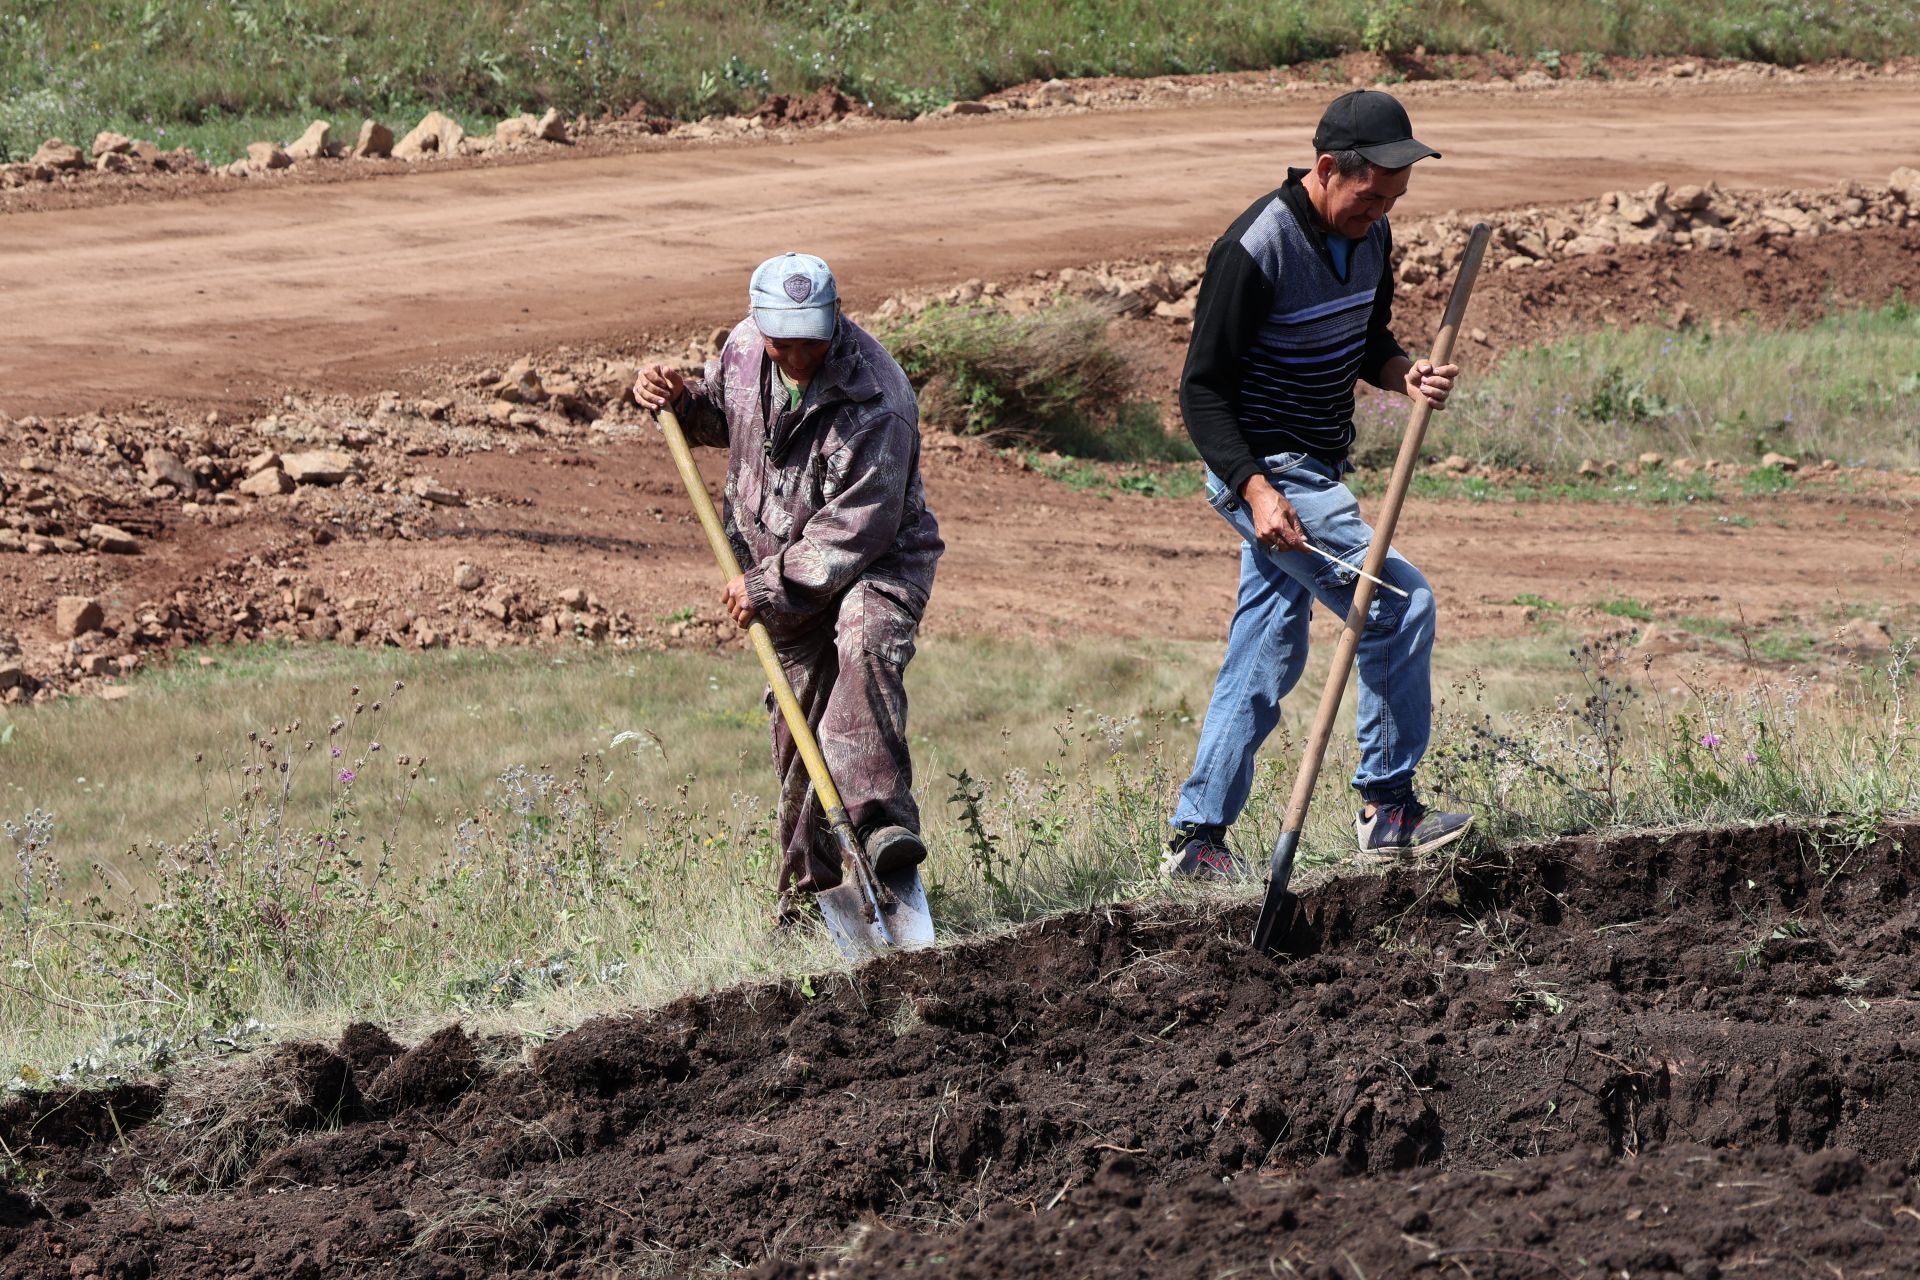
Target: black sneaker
pixel 1405 830
pixel 1201 853
pixel 892 848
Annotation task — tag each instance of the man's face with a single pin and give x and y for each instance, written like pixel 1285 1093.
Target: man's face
pixel 1355 204
pixel 798 358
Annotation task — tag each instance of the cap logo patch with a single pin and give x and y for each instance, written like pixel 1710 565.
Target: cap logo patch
pixel 798 287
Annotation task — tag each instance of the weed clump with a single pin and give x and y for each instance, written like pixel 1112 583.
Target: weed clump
pixel 1047 378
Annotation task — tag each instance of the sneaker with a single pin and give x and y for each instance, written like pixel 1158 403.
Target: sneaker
pixel 1404 830
pixel 1201 853
pixel 892 848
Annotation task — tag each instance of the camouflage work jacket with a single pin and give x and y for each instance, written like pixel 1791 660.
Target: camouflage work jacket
pixel 823 495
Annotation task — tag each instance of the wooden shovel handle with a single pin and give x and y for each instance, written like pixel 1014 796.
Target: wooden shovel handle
pixel 1383 529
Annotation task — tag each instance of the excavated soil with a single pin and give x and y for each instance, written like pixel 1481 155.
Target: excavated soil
pixel 1689 1054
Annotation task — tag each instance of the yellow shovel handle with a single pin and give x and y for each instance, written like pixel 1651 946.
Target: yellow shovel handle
pixel 797 725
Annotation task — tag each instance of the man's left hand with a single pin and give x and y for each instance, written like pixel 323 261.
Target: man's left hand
pixel 733 598
pixel 1431 382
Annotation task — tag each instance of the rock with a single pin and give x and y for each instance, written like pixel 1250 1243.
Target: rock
pixel 1711 238
pixel 1455 465
pixel 316 142
pixel 98 664
pixel 1636 212
pixel 551 128
pixel 55 154
pixel 500 411
pixel 265 460
pixel 574 598
pixel 1684 70
pixel 1588 467
pixel 263 157
pixel 109 143
pixel 468 577
pixel 1688 198
pixel 430 490
pixel 436 133
pixel 75 616
pixel 520 384
pixel 965 108
pixel 375 141
pixel 515 132
pixel 1651 459
pixel 1864 634
pixel 114 541
pixel 1179 309
pixel 1904 182
pixel 1780 460
pixel 12 674
pixel 318 466
pixel 113 162
pixel 1054 93
pixel 266 484
pixel 163 467
pixel 1581 246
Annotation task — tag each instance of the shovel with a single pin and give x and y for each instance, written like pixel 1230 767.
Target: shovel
pixel 865 913
pixel 1275 927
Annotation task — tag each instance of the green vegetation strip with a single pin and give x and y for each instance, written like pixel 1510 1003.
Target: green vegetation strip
pixel 229 847
pixel 214 76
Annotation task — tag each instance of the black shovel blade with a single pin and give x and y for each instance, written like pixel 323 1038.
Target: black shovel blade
pixel 1277 909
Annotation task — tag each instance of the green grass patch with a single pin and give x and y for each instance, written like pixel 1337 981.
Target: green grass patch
pixel 534 839
pixel 1629 609
pixel 1843 387
pixel 216 75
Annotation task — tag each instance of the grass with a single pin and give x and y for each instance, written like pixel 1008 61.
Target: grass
pixel 216 75
pixel 1843 386
pixel 529 870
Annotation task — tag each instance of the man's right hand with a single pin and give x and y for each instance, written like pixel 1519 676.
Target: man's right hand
pixel 1275 523
pixel 659 387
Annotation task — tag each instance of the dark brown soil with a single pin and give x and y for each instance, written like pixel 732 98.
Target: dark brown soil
pixel 1686 1054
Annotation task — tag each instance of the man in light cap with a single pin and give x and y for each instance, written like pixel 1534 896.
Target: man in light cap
pixel 825 507
pixel 1296 304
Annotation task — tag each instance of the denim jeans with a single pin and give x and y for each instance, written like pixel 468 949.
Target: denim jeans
pixel 1267 647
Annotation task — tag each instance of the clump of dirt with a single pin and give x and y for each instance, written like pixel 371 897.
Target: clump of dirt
pixel 1533 1032
pixel 369 1048
pixel 432 1073
pixel 805 110
pixel 215 1135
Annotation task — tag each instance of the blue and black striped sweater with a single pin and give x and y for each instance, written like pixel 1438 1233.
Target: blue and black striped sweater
pixel 1279 337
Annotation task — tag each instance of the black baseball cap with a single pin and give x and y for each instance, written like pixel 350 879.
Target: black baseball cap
pixel 1375 125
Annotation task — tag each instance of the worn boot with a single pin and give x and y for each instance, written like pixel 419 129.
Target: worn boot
pixel 891 848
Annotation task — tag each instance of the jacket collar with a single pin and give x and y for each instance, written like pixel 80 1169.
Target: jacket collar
pixel 845 377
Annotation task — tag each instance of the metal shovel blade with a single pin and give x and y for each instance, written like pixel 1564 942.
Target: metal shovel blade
pixel 903 923
pixel 1277 909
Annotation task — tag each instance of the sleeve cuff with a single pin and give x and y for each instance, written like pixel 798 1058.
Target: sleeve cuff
pixel 760 594
pixel 1238 477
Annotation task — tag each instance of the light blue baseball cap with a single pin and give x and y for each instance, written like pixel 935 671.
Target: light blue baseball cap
pixel 794 296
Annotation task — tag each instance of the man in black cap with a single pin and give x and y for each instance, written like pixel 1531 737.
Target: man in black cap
pixel 1296 304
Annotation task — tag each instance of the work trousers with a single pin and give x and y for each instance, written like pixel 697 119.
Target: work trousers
pixel 848 674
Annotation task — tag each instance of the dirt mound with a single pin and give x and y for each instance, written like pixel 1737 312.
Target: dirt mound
pixel 1580 1018
pixel 1685 1210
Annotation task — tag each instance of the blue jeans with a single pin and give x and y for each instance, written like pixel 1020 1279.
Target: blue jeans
pixel 1267 647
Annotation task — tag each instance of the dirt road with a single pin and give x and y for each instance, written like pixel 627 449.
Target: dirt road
pixel 349 284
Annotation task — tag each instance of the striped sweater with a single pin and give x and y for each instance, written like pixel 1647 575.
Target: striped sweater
pixel 1279 337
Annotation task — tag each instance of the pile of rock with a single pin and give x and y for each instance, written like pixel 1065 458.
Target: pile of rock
pixel 111 153
pixel 1686 217
pixel 437 136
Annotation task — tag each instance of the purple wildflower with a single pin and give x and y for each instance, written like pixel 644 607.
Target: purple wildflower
pixel 346 775
pixel 1711 740
pixel 1752 758
pixel 336 753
